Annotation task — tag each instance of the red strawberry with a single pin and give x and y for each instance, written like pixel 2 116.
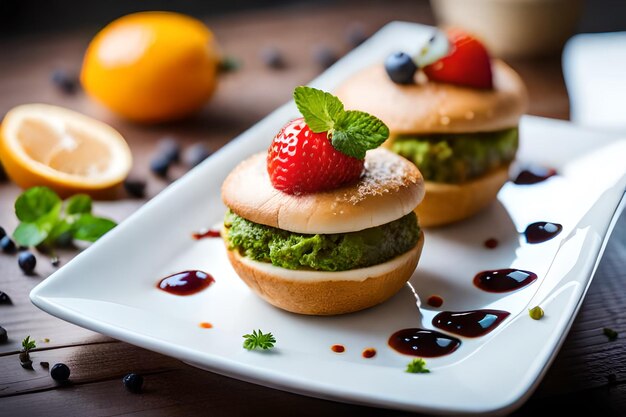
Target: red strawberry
pixel 467 64
pixel 300 161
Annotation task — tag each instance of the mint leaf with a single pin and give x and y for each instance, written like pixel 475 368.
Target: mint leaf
pixel 35 232
pixel 78 204
pixel 35 202
pixel 61 228
pixel 91 228
pixel 356 132
pixel 320 109
pixel 29 234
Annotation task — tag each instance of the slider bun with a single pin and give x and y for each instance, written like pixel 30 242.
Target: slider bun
pixel 327 293
pixel 448 203
pixel 391 187
pixel 433 107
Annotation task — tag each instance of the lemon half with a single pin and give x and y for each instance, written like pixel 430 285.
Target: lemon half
pixel 71 153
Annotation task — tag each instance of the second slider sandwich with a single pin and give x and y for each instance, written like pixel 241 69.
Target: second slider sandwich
pixel 456 117
pixel 323 223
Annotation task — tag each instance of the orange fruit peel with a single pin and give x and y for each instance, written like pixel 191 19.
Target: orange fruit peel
pixel 71 153
pixel 152 66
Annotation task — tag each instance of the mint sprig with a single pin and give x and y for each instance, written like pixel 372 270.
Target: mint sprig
pixel 351 132
pixel 45 219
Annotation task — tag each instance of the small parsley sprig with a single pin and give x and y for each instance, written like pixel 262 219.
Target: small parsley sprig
pixel 258 340
pixel 28 344
pixel 46 220
pixel 417 366
pixel 351 132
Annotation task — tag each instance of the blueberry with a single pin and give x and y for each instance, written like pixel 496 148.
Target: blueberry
pixel 135 187
pixel 64 81
pixel 27 261
pixel 159 166
pixel 324 56
pixel 3 232
pixel 355 34
pixel 273 58
pixel 7 245
pixel 169 148
pixel 133 382
pixel 3 335
pixel 60 372
pixel 195 154
pixel 4 298
pixel 400 68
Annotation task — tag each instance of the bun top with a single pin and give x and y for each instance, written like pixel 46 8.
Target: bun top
pixel 433 107
pixel 390 187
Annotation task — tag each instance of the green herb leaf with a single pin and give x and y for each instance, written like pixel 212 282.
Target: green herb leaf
pixel 35 232
pixel 610 333
pixel 78 204
pixel 29 234
pixel 352 132
pixel 35 202
pixel 320 109
pixel 91 228
pixel 28 344
pixel 536 313
pixel 258 340
pixel 356 132
pixel 417 366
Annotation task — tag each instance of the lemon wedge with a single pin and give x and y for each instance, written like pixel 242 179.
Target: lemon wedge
pixel 71 153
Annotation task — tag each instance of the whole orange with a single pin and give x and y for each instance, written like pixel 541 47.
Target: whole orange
pixel 152 66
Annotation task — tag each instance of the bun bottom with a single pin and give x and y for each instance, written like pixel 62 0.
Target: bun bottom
pixel 327 293
pixel 449 203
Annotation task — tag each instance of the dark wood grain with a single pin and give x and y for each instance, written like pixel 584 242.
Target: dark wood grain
pixel 578 380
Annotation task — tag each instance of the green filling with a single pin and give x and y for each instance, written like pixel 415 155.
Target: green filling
pixel 332 252
pixel 456 158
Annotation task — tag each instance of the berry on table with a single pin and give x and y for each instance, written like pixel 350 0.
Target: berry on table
pixel 324 56
pixel 3 335
pixel 3 232
pixel 64 81
pixel 169 148
pixel 60 372
pixel 159 166
pixel 4 298
pixel 133 382
pixel 7 245
pixel 400 68
pixel 195 154
pixel 27 262
pixel 135 187
pixel 272 58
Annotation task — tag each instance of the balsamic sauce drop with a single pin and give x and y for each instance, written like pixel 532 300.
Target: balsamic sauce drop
pixel 503 280
pixel 423 343
pixel 533 175
pixel 542 231
pixel 202 234
pixel 186 282
pixel 435 301
pixel 338 348
pixel 368 353
pixel 471 323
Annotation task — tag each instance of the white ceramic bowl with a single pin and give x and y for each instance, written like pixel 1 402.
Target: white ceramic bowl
pixel 513 28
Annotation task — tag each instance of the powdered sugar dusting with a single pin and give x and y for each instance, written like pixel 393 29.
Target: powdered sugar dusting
pixel 385 172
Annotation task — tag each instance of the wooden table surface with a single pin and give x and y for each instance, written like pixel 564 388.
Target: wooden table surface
pixel 588 374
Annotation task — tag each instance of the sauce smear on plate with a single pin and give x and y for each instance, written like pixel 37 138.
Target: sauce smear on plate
pixel 471 323
pixel 503 280
pixel 423 343
pixel 186 282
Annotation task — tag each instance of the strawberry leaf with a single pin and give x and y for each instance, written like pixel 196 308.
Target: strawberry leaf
pixel 320 109
pixel 356 132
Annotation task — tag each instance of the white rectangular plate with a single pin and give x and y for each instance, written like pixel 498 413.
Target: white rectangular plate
pixel 111 287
